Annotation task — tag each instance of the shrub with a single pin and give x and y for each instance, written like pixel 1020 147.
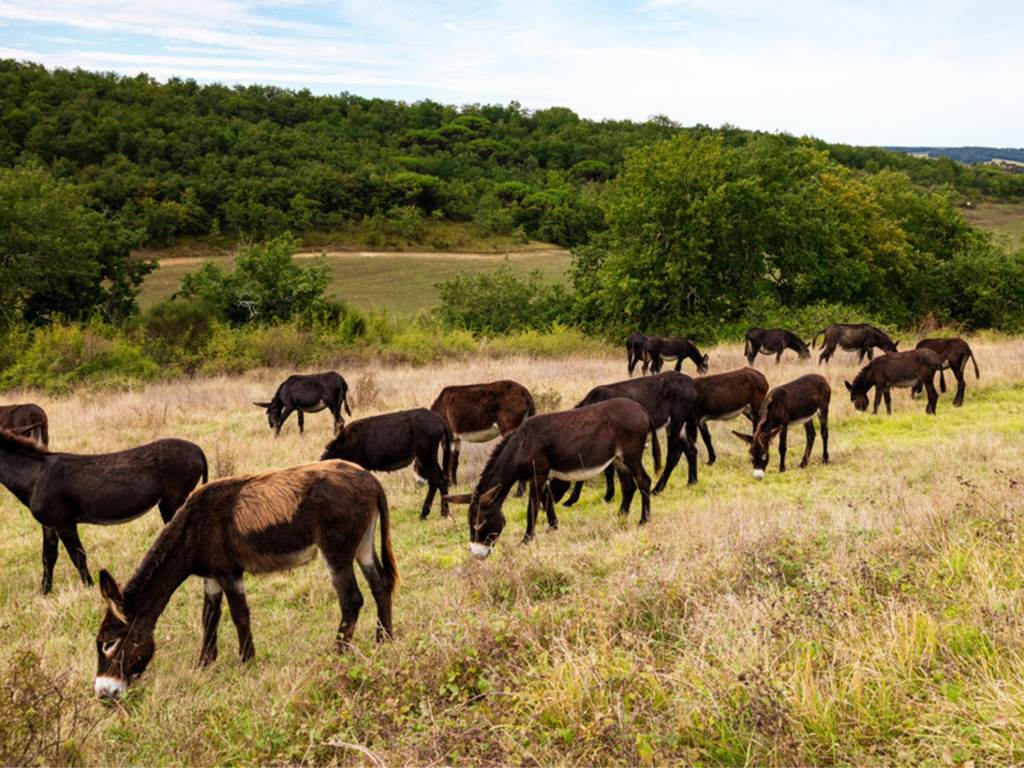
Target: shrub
pixel 174 329
pixel 500 302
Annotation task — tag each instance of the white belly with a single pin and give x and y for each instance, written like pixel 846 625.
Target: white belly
pixel 316 408
pixel 804 420
pixel 583 473
pixel 481 436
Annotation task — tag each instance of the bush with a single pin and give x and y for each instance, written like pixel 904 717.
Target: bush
pixel 176 329
pixel 499 302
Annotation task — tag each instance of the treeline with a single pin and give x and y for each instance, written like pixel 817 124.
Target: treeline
pixel 182 159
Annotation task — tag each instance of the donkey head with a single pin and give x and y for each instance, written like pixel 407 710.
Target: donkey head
pixel 702 366
pixel 273 409
pixel 858 396
pixel 486 520
pixel 759 443
pixel 124 646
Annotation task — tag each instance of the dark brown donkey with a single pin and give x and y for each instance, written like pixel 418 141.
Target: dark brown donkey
pixel 954 354
pixel 62 490
pixel 773 341
pixel 723 397
pixel 478 413
pixel 308 393
pixel 901 369
pixel 634 350
pixel 393 441
pixel 790 404
pixel 28 420
pixel 569 445
pixel 251 524
pixel 656 348
pixel 668 398
pixel 859 337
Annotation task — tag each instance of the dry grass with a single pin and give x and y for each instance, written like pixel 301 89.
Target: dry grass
pixel 866 612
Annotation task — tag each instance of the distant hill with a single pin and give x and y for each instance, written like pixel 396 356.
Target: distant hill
pixel 969 155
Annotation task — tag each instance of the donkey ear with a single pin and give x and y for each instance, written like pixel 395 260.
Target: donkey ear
pixel 458 498
pixel 488 497
pixel 745 438
pixel 112 594
pixel 773 432
pixel 261 405
pixel 896 345
pixel 849 386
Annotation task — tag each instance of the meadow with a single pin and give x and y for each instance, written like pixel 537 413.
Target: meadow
pixel 864 612
pixel 1005 220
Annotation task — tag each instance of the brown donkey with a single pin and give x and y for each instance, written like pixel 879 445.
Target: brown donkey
pixel 853 337
pixel 28 420
pixel 901 369
pixel 62 490
pixel 773 341
pixel 954 354
pixel 656 348
pixel 569 446
pixel 723 397
pixel 790 404
pixel 478 413
pixel 634 350
pixel 261 523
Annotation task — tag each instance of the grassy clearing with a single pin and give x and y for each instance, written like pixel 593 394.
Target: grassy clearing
pixel 401 284
pixel 866 612
pixel 1005 219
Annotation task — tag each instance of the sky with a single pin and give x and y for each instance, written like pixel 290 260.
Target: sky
pixel 896 72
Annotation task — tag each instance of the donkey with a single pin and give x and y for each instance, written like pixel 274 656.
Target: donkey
pixel 773 341
pixel 900 369
pixel 568 446
pixel 478 413
pixel 790 404
pixel 723 397
pixel 669 399
pixel 62 490
pixel 260 523
pixel 308 393
pixel 28 420
pixel 658 347
pixel 860 337
pixel 393 441
pixel 954 354
pixel 634 350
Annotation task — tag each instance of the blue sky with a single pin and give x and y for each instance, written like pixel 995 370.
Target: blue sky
pixel 943 72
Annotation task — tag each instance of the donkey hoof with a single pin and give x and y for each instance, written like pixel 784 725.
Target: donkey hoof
pixel 526 539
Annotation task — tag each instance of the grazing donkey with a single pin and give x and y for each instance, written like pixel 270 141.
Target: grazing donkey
pixel 656 348
pixel 569 446
pixel 900 369
pixel 634 350
pixel 308 393
pixel 478 413
pixel 723 397
pixel 261 523
pixel 773 341
pixel 954 354
pixel 28 420
pixel 393 441
pixel 62 490
pixel 669 399
pixel 860 338
pixel 790 404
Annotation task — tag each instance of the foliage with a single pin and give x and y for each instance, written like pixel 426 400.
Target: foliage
pixel 58 258
pixel 499 302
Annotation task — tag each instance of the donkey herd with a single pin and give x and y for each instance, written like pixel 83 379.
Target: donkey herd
pixel 278 519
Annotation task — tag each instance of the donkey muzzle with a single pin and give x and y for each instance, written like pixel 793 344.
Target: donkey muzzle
pixel 110 687
pixel 478 550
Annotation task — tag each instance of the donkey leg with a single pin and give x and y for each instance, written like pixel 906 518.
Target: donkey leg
pixel 809 430
pixel 577 489
pixel 933 396
pixel 823 423
pixel 531 513
pixel 783 439
pixel 961 385
pixel 73 545
pixel 212 598
pixel 676 446
pixel 628 489
pixel 643 481
pixel 679 364
pixel 453 469
pixel 878 400
pixel 887 394
pixel 302 422
pixel 942 381
pixel 381 587
pixel 549 507
pixel 350 600
pixel 51 543
pixel 239 607
pixel 609 484
pixel 435 480
pixel 778 357
pixel 705 434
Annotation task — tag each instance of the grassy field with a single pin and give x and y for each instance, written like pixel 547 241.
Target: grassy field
pixel 1005 219
pixel 401 283
pixel 867 612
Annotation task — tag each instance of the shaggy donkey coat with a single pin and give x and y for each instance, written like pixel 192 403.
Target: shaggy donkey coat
pixel 260 523
pixel 478 413
pixel 28 420
pixel 308 393
pixel 790 404
pixel 567 446
pixel 393 441
pixel 722 397
pixel 954 354
pixel 62 490
pixel 656 348
pixel 860 338
pixel 901 369
pixel 773 341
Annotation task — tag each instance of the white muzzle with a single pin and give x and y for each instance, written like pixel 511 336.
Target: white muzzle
pixel 479 550
pixel 110 687
pixel 759 474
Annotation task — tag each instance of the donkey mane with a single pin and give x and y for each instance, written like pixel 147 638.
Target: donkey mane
pixel 167 543
pixel 862 375
pixel 492 460
pixel 22 446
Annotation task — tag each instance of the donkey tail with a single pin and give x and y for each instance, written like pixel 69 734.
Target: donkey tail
pixel 386 551
pixel 814 341
pixel 655 449
pixel 206 470
pixel 344 402
pixel 747 347
pixel 977 373
pixel 531 407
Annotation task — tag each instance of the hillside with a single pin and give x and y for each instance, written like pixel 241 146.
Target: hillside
pixel 970 155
